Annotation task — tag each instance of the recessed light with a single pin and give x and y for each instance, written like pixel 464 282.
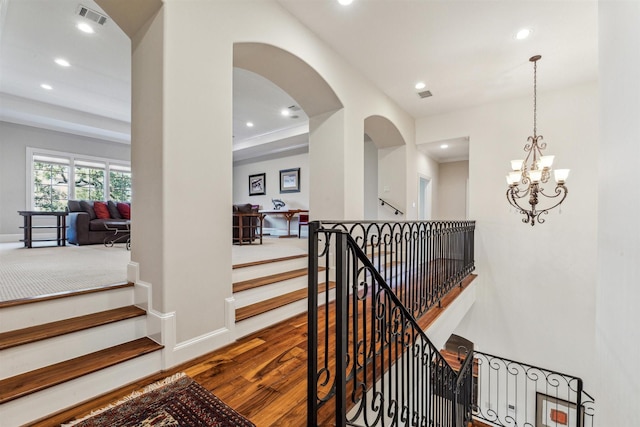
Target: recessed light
pixel 523 34
pixel 285 112
pixel 62 62
pixel 345 2
pixel 249 124
pixel 85 28
pixel 443 146
pixel 420 85
pixel 46 86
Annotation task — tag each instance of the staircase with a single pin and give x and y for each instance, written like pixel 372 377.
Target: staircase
pixel 269 291
pixel 56 352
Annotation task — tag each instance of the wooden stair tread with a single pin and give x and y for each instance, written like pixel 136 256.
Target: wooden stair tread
pixel 49 376
pixel 40 332
pixel 64 294
pixel 268 280
pixel 243 313
pixel 268 261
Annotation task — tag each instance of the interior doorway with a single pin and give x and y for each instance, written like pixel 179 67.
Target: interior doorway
pixel 424 198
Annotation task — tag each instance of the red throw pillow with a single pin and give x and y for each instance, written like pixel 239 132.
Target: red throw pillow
pixel 125 210
pixel 102 212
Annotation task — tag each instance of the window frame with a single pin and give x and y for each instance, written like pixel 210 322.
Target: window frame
pixel 72 158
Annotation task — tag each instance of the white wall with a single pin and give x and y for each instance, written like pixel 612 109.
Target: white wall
pixel 428 168
pixel 13 164
pixel 392 182
pixel 618 315
pixel 370 180
pixel 272 168
pixel 452 191
pixel 537 303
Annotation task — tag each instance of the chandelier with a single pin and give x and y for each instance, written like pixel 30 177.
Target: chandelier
pixel 527 176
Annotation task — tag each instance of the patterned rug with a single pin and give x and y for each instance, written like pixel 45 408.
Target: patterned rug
pixel 176 401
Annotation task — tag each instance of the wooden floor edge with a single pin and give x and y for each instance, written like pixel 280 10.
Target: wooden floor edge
pixel 64 294
pixel 23 336
pixel 286 300
pixel 102 400
pixel 148 347
pixel 268 261
pixel 435 312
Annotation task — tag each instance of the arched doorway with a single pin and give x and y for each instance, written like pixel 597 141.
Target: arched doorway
pixel 384 162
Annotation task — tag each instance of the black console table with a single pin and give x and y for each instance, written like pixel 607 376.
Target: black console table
pixel 60 227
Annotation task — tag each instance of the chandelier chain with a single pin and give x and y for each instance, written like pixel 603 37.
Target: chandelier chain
pixel 535 103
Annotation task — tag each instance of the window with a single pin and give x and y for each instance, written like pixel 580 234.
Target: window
pixel 57 177
pixel 89 180
pixel 50 183
pixel 120 183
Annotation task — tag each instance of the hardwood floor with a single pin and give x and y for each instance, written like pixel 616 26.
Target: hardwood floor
pixel 263 376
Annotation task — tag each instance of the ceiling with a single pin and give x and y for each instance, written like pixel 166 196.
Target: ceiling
pixel 465 51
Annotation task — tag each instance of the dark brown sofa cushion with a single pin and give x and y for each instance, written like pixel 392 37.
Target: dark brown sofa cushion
pixel 88 208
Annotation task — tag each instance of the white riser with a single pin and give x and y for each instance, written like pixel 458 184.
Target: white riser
pixel 28 357
pixel 255 271
pixel 38 313
pixel 272 317
pixel 262 293
pixel 39 405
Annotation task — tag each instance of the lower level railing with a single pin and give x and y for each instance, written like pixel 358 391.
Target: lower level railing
pixel 509 393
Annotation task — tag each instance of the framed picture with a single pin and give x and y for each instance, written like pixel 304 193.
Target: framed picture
pixel 258 184
pixel 290 180
pixel 554 412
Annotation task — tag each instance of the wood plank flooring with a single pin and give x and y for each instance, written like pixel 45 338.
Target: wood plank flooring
pixel 263 376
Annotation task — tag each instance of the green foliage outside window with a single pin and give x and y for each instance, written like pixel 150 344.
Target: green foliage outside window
pixel 50 186
pixel 89 184
pixel 120 186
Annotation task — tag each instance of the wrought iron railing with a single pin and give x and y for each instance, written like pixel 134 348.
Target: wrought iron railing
pixel 511 393
pixel 370 363
pixel 420 261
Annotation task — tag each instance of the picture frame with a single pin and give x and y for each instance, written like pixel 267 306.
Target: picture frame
pixel 554 412
pixel 290 180
pixel 258 184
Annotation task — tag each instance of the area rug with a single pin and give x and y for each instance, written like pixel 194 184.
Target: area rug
pixel 177 401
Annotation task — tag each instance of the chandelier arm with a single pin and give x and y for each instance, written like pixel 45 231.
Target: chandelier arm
pixel 513 197
pixel 560 190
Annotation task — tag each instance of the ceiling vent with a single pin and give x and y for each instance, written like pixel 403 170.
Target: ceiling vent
pixel 294 108
pixel 425 94
pixel 91 15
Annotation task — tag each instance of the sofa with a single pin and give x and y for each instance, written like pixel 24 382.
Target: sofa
pixel 247 224
pixel 93 222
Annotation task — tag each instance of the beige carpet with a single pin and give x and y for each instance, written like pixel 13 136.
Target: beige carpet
pixel 29 273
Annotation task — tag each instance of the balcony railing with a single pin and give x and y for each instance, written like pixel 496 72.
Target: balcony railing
pixel 370 363
pixel 512 393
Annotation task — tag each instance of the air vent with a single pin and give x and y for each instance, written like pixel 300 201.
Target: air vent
pixel 294 108
pixel 425 94
pixel 91 15
pixel 295 117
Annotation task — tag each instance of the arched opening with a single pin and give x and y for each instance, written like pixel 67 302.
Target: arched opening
pixel 384 164
pixel 293 102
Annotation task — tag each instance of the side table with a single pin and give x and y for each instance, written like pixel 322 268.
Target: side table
pixel 60 227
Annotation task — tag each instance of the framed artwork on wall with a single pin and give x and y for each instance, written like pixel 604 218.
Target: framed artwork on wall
pixel 554 412
pixel 258 184
pixel 290 180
